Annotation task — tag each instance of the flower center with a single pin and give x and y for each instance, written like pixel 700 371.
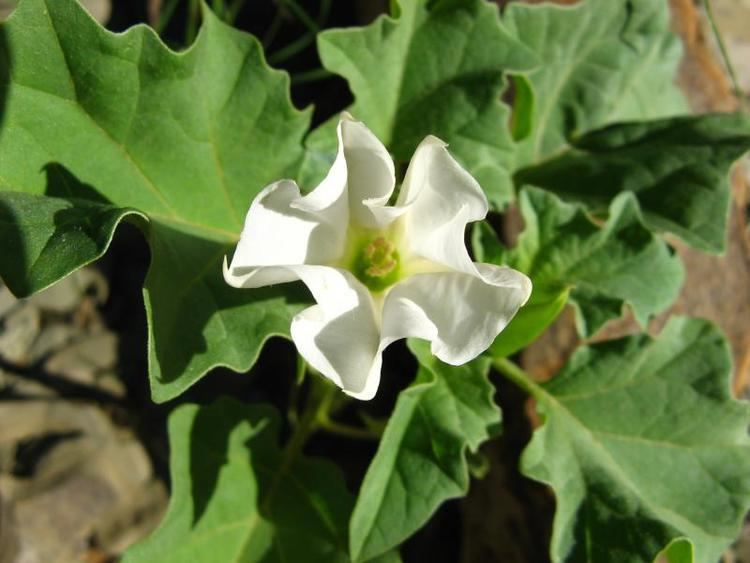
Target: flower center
pixel 377 264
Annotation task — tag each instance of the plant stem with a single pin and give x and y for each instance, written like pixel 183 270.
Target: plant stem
pixel 319 401
pixel 311 76
pixel 272 30
pixel 233 11
pixel 346 431
pixel 519 377
pixel 165 15
pixel 299 378
pixel 218 7
pixel 191 28
pixel 301 15
pixel 724 53
pixel 292 49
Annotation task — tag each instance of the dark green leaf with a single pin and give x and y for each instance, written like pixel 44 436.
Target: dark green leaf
pixel 185 139
pixel 421 460
pixel 601 268
pixel 46 238
pixel 677 168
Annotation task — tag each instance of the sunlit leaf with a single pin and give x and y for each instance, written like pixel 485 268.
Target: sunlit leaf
pixel 603 62
pixel 437 69
pixel 677 168
pixel 421 460
pixel 237 497
pixel 642 444
pixel 125 125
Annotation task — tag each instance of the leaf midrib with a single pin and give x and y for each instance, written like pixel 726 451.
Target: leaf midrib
pixel 609 462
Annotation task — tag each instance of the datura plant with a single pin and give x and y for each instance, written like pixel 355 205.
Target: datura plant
pixel 379 273
pixel 462 115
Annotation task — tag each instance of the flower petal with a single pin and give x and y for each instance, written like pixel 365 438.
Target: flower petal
pixel 461 314
pixel 441 198
pixel 282 228
pixel 339 336
pixel 370 173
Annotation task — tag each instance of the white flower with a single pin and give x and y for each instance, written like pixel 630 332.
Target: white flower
pixel 379 273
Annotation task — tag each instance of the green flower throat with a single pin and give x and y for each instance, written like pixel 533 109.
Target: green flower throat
pixel 377 264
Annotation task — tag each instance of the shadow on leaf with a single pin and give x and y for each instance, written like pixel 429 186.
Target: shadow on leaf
pixel 197 321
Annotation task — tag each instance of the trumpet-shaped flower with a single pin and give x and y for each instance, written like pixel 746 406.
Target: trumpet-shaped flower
pixel 379 272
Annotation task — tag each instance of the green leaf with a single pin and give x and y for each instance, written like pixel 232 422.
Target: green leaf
pixel 601 268
pixel 46 238
pixel 237 497
pixel 679 551
pixel 643 444
pixel 185 139
pixel 436 70
pixel 604 61
pixel 677 168
pixel 422 457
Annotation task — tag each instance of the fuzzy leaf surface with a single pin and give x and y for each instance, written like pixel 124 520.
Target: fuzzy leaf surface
pixel 600 268
pixel 677 168
pixel 237 497
pixel 603 62
pixel 436 69
pixel 421 460
pixel 643 444
pixel 185 140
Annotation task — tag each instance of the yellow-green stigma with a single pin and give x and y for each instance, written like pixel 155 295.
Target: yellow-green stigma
pixel 377 264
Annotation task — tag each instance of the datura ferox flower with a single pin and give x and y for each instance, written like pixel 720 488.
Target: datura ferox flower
pixel 379 272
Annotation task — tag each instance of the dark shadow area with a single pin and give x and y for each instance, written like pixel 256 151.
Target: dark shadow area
pixel 62 183
pixel 506 516
pixel 64 387
pixel 181 313
pixel 31 451
pixel 12 251
pixel 209 450
pixel 72 235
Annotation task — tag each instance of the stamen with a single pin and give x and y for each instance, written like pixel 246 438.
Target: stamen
pixel 377 265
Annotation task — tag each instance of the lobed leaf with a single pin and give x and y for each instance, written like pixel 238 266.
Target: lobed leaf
pixel 237 497
pixel 677 168
pixel 421 460
pixel 46 238
pixel 604 62
pixel 643 444
pixel 601 269
pixel 435 69
pixel 186 140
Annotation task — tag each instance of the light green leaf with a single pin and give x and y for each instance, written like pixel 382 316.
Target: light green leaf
pixel 237 497
pixel 185 139
pixel 603 61
pixel 677 168
pixel 643 444
pixel 436 70
pixel 421 460
pixel 678 551
pixel 601 268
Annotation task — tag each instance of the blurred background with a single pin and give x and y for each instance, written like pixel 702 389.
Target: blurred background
pixel 83 450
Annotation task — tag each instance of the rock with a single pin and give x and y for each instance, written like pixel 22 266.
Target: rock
pixel 99 9
pixel 7 301
pixel 21 327
pixel 65 295
pixel 91 361
pixel 77 481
